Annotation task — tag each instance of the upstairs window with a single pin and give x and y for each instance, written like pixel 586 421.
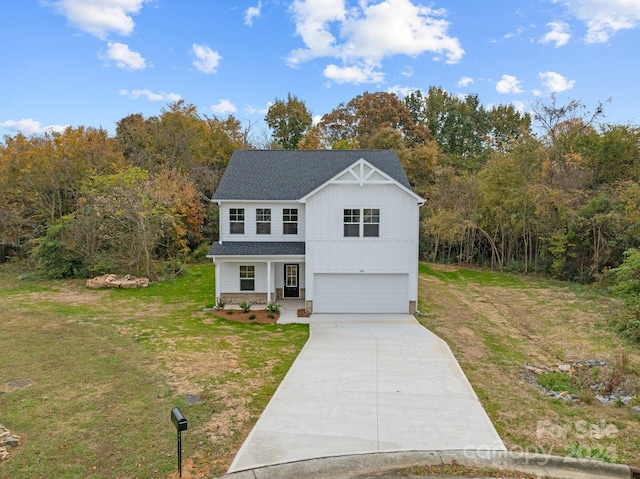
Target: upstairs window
pixel 290 221
pixel 247 278
pixel 351 223
pixel 236 221
pixel 371 226
pixel 366 221
pixel 263 221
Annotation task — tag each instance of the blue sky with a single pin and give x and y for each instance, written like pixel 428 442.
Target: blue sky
pixel 93 62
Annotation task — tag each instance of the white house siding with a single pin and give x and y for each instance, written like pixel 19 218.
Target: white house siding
pixel 250 221
pixel 230 276
pixel 395 251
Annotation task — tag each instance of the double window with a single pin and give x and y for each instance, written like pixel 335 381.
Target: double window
pixel 247 278
pixel 361 222
pixel 290 221
pixel 236 221
pixel 263 221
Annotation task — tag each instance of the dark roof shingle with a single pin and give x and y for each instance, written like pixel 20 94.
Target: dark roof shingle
pixel 257 248
pixel 291 174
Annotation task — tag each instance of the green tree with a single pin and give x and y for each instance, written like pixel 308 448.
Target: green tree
pixel 289 121
pixel 464 130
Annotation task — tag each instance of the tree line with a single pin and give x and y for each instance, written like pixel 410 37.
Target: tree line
pixel 554 190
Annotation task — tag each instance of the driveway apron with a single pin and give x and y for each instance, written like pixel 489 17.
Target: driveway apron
pixel 368 383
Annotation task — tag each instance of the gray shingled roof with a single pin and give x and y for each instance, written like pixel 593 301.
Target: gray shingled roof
pixel 257 248
pixel 291 174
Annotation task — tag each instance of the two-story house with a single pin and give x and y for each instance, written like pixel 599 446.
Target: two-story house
pixel 338 229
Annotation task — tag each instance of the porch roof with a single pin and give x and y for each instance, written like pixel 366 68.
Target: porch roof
pixel 257 248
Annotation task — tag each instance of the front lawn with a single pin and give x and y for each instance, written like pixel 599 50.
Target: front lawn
pixel 107 366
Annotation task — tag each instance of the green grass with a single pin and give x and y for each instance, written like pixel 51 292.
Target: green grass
pixel 109 365
pixel 483 277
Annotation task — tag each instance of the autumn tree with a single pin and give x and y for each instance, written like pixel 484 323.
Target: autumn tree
pixel 128 222
pixel 40 178
pixel 360 120
pixel 288 120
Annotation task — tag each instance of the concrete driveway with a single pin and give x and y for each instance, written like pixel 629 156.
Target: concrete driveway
pixel 365 384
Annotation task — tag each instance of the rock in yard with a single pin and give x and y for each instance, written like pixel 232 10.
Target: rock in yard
pixel 114 281
pixel 603 400
pixel 11 441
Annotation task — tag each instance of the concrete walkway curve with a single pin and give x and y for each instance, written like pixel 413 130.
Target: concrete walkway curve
pixel 368 384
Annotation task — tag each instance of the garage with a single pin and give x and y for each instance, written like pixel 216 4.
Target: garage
pixel 361 293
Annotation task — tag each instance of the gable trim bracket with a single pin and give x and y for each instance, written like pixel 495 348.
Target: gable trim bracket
pixel 362 173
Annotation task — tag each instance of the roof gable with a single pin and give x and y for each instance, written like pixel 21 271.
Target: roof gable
pixel 362 173
pixel 281 175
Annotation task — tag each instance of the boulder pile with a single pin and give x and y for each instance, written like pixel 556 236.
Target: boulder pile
pixel 7 440
pixel 593 379
pixel 115 281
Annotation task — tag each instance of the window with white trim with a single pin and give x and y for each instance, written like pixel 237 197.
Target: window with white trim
pixel 351 222
pixel 236 221
pixel 263 221
pixel 247 278
pixel 290 221
pixel 365 222
pixel 371 219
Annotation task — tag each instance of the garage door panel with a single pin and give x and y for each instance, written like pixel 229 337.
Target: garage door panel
pixel 361 293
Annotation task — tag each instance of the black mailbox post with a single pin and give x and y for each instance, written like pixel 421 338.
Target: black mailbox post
pixel 180 422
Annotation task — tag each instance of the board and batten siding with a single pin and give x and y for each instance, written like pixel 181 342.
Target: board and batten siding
pixel 230 276
pixel 394 251
pixel 250 222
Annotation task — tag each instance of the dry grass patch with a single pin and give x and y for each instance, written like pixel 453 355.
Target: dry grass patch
pixel 496 329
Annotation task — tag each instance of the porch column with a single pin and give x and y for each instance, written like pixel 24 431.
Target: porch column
pixel 269 281
pixel 216 280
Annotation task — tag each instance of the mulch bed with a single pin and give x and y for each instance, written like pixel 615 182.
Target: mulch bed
pixel 261 316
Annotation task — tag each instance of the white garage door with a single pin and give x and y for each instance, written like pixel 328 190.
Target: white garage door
pixel 361 293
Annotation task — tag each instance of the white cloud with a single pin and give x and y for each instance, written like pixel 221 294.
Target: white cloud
pixel 555 82
pixel 151 96
pixel 29 126
pixel 353 74
pixel 519 106
pixel 206 60
pixel 559 34
pixel 223 106
pixel 123 57
pixel 401 91
pixel 604 17
pixel 407 72
pixel 368 33
pixel 508 84
pixel 465 82
pixel 251 13
pixel 99 17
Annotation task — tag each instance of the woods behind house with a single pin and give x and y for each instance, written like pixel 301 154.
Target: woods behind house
pixel 555 190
